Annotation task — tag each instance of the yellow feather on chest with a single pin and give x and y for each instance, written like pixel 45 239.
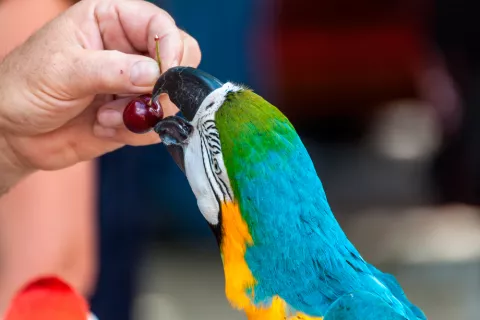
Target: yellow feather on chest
pixel 238 277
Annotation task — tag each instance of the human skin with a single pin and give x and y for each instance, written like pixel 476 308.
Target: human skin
pixel 47 219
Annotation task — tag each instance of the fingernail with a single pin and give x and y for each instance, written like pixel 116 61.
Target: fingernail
pixel 110 118
pixel 102 132
pixel 144 73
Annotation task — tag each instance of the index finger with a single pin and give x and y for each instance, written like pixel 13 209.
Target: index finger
pixel 137 23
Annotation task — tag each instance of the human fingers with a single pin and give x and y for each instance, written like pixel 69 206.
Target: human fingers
pixel 119 31
pixel 109 72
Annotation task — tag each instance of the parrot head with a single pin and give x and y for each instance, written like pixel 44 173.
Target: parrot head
pixel 215 115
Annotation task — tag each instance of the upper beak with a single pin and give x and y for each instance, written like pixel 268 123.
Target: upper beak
pixel 186 87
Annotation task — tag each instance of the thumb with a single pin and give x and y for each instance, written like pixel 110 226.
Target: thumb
pixel 112 72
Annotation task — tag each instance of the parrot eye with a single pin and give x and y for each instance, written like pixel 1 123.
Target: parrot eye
pixel 216 167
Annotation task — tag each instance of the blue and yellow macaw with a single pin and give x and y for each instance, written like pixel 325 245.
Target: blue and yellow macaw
pixel 284 254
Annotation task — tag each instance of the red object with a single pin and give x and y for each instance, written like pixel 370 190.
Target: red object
pixel 139 116
pixel 48 298
pixel 343 57
pixel 342 68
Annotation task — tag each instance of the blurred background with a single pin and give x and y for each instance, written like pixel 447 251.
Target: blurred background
pixel 384 94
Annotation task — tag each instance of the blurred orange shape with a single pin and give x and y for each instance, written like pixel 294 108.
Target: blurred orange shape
pixel 48 298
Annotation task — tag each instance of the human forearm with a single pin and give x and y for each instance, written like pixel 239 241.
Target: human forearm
pixel 47 226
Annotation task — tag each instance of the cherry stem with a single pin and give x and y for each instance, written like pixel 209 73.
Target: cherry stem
pixel 157 53
pixel 157 49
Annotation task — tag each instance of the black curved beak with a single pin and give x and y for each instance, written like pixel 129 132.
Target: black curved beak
pixel 187 88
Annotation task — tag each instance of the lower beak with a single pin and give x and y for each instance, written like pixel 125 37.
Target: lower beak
pixel 175 132
pixel 176 151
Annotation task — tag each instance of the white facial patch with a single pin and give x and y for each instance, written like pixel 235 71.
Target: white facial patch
pixel 198 179
pixel 204 165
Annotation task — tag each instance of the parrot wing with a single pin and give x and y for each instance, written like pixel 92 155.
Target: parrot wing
pixel 362 305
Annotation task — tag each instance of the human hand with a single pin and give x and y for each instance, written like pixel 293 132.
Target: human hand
pixel 62 93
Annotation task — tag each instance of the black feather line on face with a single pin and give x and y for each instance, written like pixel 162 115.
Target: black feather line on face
pixel 212 139
pixel 216 229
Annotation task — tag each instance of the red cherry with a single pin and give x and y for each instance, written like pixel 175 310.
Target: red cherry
pixel 140 115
